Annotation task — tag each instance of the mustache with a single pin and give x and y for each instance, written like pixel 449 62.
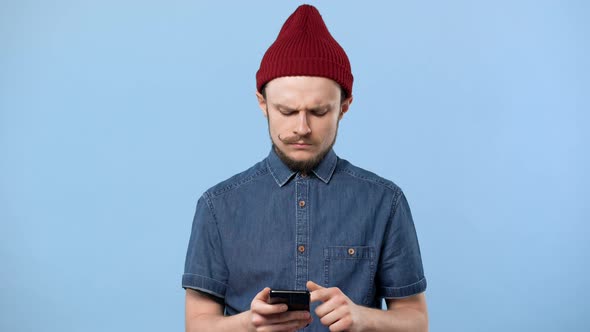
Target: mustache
pixel 291 139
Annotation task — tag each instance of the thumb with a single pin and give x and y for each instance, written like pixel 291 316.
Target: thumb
pixel 312 286
pixel 263 295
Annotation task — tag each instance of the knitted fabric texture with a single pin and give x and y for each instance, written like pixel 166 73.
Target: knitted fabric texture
pixel 305 47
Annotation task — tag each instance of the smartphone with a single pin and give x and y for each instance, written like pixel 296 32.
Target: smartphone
pixel 295 299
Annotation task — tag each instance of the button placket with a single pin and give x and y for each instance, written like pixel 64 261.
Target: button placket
pixel 302 232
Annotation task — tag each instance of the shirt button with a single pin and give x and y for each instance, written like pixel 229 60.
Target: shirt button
pixel 301 249
pixel 303 175
pixel 301 203
pixel 351 251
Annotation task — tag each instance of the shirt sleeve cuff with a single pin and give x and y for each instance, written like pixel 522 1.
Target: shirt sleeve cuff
pixel 204 284
pixel 405 291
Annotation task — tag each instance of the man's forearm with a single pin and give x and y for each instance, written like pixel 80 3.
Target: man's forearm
pixel 217 323
pixel 399 319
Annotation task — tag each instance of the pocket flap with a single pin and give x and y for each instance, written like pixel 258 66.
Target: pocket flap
pixel 349 252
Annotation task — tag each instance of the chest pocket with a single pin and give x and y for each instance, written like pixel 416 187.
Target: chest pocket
pixel 352 269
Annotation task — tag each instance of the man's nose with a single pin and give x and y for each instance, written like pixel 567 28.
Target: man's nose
pixel 302 128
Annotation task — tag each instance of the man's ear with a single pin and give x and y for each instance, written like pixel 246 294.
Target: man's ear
pixel 262 103
pixel 344 106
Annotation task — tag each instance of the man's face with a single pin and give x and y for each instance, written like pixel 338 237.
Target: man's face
pixel 303 114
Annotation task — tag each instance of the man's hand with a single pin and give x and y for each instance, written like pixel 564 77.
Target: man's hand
pixel 274 317
pixel 337 311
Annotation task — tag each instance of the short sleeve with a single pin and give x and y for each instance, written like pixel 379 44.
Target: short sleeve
pixel 400 273
pixel 204 267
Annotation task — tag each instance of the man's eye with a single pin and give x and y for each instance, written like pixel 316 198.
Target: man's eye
pixel 319 113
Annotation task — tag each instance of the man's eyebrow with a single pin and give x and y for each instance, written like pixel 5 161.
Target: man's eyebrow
pixel 316 108
pixel 283 107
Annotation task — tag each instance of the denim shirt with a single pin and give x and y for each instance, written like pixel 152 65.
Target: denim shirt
pixel 340 226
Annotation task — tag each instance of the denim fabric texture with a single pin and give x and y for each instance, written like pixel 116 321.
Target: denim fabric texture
pixel 340 226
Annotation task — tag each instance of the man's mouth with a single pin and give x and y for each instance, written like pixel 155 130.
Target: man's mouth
pixel 300 145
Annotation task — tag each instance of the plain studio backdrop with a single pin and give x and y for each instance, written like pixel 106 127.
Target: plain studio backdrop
pixel 115 116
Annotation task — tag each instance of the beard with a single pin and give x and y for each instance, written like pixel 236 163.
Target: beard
pixel 302 166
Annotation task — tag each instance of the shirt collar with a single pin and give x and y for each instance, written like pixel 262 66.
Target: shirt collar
pixel 282 174
pixel 326 167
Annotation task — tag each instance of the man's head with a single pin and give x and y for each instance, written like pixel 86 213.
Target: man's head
pixel 304 88
pixel 303 114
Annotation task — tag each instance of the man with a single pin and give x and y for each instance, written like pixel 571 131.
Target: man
pixel 303 218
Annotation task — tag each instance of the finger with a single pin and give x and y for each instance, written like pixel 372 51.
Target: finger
pixel 314 289
pixel 321 294
pixel 343 324
pixel 333 316
pixel 299 324
pixel 288 316
pixel 264 322
pixel 263 294
pixel 302 323
pixel 325 308
pixel 260 306
pixel 292 325
pixel 263 308
pixel 312 286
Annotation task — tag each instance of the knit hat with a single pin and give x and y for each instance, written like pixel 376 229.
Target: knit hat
pixel 304 47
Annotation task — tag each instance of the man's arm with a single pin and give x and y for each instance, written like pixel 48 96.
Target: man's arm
pixel 407 314
pixel 205 314
pixel 341 314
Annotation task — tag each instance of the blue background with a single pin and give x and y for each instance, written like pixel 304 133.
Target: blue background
pixel 116 115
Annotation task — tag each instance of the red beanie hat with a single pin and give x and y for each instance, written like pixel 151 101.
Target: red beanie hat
pixel 304 47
